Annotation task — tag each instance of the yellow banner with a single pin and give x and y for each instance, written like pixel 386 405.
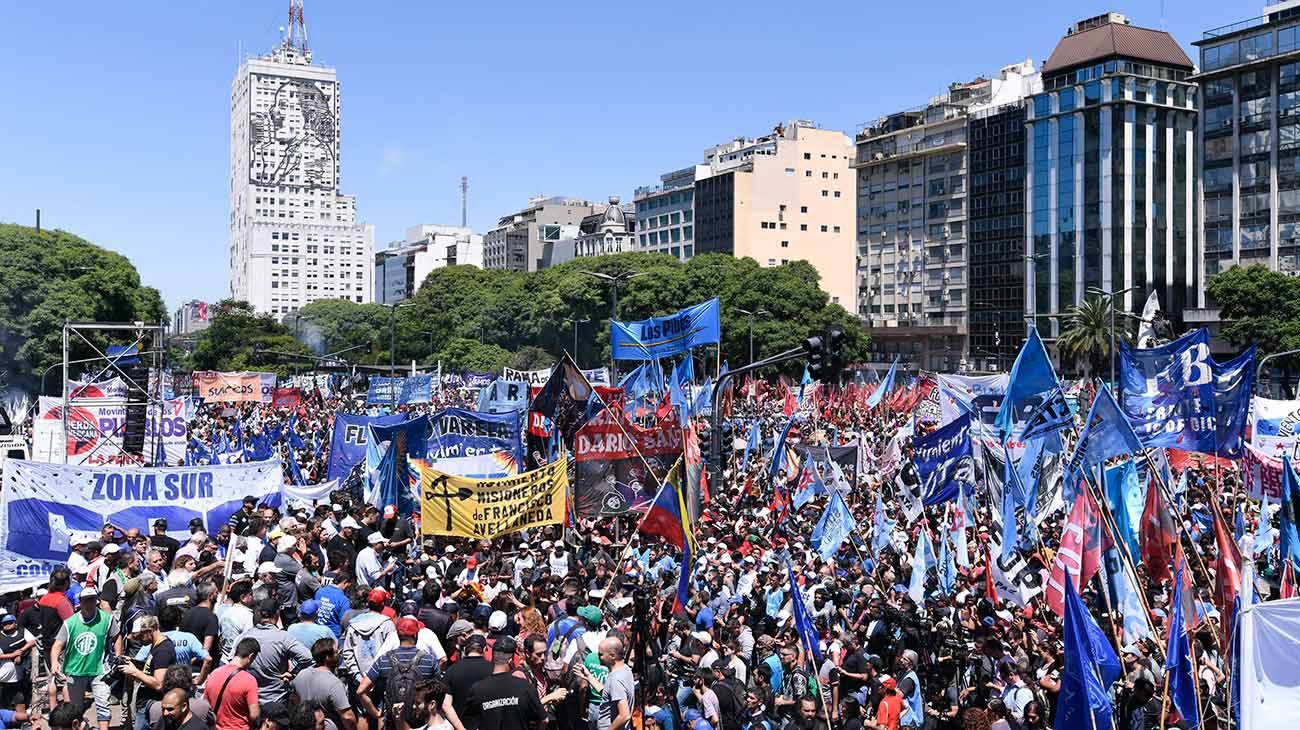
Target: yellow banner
pixel 488 508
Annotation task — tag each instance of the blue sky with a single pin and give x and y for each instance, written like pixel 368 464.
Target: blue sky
pixel 117 118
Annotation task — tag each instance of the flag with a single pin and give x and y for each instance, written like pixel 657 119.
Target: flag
pixel 1079 556
pixel 882 527
pixel 295 472
pixel 810 484
pixel 677 393
pixel 1012 497
pixel 295 441
pixel 688 369
pixel 703 399
pixel 1178 661
pixel 320 445
pixel 1288 538
pixel 947 567
pixel 922 560
pixel 804 381
pixel 567 399
pixel 1146 326
pixel 1263 529
pixel 802 621
pixel 1090 668
pixel 1031 375
pixel 958 528
pixel 1227 575
pixel 1136 622
pixel 752 444
pixel 778 453
pixel 1238 522
pixel 683 596
pixel 1126 503
pixel 990 585
pixel 835 525
pixel 665 517
pixel 885 386
pixel 237 433
pixel 1107 433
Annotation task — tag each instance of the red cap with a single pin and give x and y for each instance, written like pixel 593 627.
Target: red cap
pixel 889 683
pixel 408 626
pixel 390 512
pixel 377 595
pixel 472 562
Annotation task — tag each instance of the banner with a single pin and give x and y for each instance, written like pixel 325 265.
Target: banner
pixel 1275 426
pixel 1176 395
pixel 458 432
pixel 416 389
pixel 286 398
pixel 944 459
pixel 495 465
pixel 111 388
pixel 979 395
pixel 384 391
pixel 660 337
pixel 845 456
pixel 348 442
pixel 475 379
pixel 610 478
pixel 215 387
pixel 45 507
pixel 595 376
pixel 489 508
pixel 96 429
pixel 1261 473
pixel 503 396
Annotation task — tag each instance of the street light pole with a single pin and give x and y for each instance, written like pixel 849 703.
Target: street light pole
pixel 1110 297
pixel 577 322
pixel 392 335
pixel 615 281
pixel 751 315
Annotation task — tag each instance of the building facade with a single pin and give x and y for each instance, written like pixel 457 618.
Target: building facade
pixel 665 215
pixel 913 191
pixel 1249 137
pixel 786 196
pixel 1111 173
pixel 191 317
pixel 612 230
pixel 401 268
pixel 518 240
pixel 294 237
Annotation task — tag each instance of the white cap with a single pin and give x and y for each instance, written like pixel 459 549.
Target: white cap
pixel 449 550
pixel 375 538
pixel 267 567
pixel 198 538
pixel 349 522
pixel 497 620
pixel 523 546
pixel 110 548
pixel 286 543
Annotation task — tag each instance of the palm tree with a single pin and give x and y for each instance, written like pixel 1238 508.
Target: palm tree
pixel 1087 333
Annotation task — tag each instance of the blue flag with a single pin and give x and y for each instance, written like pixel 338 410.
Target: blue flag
pixel 810 483
pixel 1051 415
pixel 944 459
pixel 778 453
pixel 882 527
pixel 947 567
pixel 1288 537
pixel 1107 433
pixel 294 471
pixel 1127 499
pixel 885 386
pixel 1178 660
pixel 237 433
pixel 1263 530
pixel 752 444
pixel 1090 668
pixel 835 525
pixel 1013 496
pixel 703 399
pixel 922 560
pixel 688 369
pixel 677 394
pixel 804 382
pixel 1031 376
pixel 295 441
pixel 803 623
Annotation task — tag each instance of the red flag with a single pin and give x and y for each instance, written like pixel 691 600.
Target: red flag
pixel 779 501
pixel 990 588
pixel 1191 617
pixel 665 408
pixel 1287 589
pixel 1157 536
pixel 1227 575
pixel 1080 551
pixel 791 402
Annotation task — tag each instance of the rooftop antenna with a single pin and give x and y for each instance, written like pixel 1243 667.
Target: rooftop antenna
pixel 464 202
pixel 295 35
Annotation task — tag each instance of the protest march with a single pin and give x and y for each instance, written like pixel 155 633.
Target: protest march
pixel 684 546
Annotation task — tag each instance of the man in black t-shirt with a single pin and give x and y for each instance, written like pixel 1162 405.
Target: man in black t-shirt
pixel 164 542
pixel 461 678
pixel 503 701
pixel 149 680
pixel 201 621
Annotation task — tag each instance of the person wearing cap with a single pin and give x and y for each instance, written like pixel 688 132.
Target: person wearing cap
pixel 461 677
pixel 503 700
pixel 890 711
pixel 372 566
pixel 78 559
pixel 278 653
pixel 164 542
pixel 366 631
pixel 523 565
pixel 396 530
pixel 149 678
pixel 85 636
pixel 559 560
pixel 404 654
pixel 910 688
pixel 305 629
pixel 15 643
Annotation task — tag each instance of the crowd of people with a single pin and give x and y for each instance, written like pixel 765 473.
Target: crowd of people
pixel 341 615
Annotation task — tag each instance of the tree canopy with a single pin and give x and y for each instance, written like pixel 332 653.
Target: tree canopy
pixel 52 277
pixel 234 335
pixel 1260 306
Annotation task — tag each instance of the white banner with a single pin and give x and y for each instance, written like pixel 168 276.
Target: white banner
pixel 111 388
pixel 97 427
pixel 595 376
pixel 1275 426
pixel 44 506
pixel 1270 642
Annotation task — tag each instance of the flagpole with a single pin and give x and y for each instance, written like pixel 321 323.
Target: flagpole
pixel 810 658
pixel 622 558
pixel 1164 703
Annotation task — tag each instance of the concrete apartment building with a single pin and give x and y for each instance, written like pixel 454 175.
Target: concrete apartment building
pixel 401 268
pixel 665 214
pixel 1111 174
pixel 785 196
pixel 518 241
pixel 293 237
pixel 1249 139
pixel 191 318
pixel 912 254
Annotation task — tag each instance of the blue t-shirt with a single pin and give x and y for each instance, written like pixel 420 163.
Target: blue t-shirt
pixel 6 719
pixel 333 604
pixel 775 599
pixel 308 633
pixel 188 647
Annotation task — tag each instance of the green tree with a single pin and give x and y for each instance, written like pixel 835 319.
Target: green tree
pixel 331 325
pixel 52 277
pixel 1260 306
pixel 465 354
pixel 1087 334
pixel 238 338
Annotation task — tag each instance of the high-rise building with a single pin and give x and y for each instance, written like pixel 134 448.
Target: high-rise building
pixel 665 215
pixel 518 240
pixel 191 317
pixel 1111 173
pixel 401 268
pixel 786 196
pixel 610 230
pixel 912 222
pixel 293 237
pixel 1249 137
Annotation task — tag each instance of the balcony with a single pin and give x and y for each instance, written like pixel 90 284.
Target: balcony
pixel 1240 25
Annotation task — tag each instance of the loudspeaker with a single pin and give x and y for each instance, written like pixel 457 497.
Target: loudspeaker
pixel 137 406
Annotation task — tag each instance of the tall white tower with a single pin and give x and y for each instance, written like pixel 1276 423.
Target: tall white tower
pixel 293 237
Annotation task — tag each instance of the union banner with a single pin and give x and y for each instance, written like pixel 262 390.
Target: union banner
pixel 488 508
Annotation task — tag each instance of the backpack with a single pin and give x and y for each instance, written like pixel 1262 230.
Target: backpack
pixel 362 645
pixel 555 667
pixel 730 707
pixel 402 683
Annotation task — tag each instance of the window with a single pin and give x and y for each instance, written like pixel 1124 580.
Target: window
pixel 785 244
pixel 803 209
pixel 823 229
pixel 771 262
pixel 807 155
pixel 1257 46
pixel 1224 54
pixel 803 226
pixel 1287 39
pixel 836 229
pixel 837 193
pixel 826 193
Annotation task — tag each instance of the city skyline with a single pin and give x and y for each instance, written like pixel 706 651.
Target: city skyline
pixel 416 121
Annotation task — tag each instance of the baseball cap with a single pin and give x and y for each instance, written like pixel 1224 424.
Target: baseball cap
pixel 349 522
pixel 110 548
pixel 336 508
pixel 250 499
pixel 89 592
pixel 309 607
pixel 377 596
pixel 8 618
pixel 449 550
pixel 160 522
pixel 196 522
pixel 459 627
pixel 476 641
pixel 408 626
pixel 267 567
pixel 504 649
pixel 287 542
pixel 483 611
pixel 590 614
pixel 375 538
pixel 497 620
pixel 390 512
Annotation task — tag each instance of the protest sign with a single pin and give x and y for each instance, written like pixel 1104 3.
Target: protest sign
pixel 215 387
pixel 489 508
pixel 610 475
pixel 660 337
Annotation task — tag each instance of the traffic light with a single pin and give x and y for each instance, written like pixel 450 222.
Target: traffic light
pixel 837 363
pixel 815 349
